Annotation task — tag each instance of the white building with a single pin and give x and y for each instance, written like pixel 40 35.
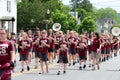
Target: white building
pixel 74 14
pixel 8 15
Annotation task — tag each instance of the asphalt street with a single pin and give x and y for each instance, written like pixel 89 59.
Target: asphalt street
pixel 109 70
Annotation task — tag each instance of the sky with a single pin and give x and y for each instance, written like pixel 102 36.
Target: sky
pixel 115 4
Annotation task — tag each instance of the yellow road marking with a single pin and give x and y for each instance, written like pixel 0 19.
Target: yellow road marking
pixel 32 70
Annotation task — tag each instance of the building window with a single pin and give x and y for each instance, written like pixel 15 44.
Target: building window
pixel 9 6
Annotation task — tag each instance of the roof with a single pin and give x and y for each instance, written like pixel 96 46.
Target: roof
pixel 7 18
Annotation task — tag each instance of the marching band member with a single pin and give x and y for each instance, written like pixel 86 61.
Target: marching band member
pixel 115 43
pixel 62 57
pixel 30 39
pixel 44 44
pixel 19 40
pixel 7 56
pixel 96 50
pixel 14 41
pixel 111 43
pixel 36 47
pixel 24 45
pixel 9 36
pixel 82 52
pixel 72 48
pixel 58 40
pixel 108 46
pixel 51 48
pixel 89 47
pixel 77 40
pixel 103 48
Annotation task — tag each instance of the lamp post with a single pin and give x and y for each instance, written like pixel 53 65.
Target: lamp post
pixel 47 21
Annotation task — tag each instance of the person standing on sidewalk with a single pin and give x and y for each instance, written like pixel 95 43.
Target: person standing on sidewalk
pixel 7 56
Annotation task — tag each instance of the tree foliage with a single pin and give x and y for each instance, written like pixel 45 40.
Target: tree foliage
pixel 116 25
pixel 29 13
pixel 33 13
pixel 66 21
pixel 107 13
pixel 83 4
pixel 88 25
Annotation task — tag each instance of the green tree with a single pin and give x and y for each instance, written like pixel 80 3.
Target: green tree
pixel 75 3
pixel 88 24
pixel 83 4
pixel 66 21
pixel 29 14
pixel 116 25
pixel 107 13
pixel 53 5
pixel 82 13
pixel 33 13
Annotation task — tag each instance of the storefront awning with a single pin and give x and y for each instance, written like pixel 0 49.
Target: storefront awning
pixel 7 18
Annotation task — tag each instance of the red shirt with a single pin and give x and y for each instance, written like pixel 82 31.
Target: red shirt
pixel 62 53
pixel 89 44
pixel 108 46
pixel 19 40
pixel 82 51
pixel 103 47
pixel 96 44
pixel 30 39
pixel 36 45
pixel 35 35
pixel 44 48
pixel 5 57
pixel 59 39
pixel 72 45
pixel 51 41
pixel 25 50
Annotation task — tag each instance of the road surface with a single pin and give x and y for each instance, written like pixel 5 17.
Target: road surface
pixel 109 70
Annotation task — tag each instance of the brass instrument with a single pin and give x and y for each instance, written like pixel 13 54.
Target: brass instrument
pixel 115 31
pixel 56 26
